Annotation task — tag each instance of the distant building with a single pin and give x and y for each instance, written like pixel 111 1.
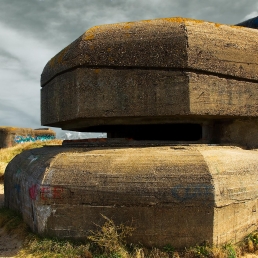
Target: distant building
pixel 11 136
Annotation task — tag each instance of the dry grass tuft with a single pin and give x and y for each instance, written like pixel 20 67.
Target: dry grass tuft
pixel 46 247
pixel 111 238
pixel 7 154
pixel 251 243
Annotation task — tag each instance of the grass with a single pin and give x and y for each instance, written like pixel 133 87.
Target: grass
pixel 225 251
pixel 7 154
pixel 48 248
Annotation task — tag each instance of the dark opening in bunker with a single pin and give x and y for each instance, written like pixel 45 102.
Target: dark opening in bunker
pixel 160 132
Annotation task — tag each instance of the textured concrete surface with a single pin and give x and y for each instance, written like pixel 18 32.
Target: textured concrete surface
pixel 10 136
pixel 107 96
pixel 134 73
pixel 164 43
pixel 174 194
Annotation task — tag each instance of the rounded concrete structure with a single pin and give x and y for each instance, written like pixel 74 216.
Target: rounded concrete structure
pixel 182 195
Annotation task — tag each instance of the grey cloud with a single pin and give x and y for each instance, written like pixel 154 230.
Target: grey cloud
pixel 41 28
pixel 61 21
pixel 10 112
pixel 8 55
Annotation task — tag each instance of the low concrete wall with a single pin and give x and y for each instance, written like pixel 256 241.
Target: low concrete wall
pixel 182 195
pixel 10 136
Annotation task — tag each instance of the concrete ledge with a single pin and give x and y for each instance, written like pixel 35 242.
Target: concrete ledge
pixel 176 43
pixel 122 95
pixel 181 195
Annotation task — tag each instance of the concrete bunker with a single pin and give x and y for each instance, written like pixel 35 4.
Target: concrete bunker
pixel 11 136
pixel 178 98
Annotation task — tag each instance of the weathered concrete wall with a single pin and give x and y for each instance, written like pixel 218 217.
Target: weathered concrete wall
pixel 10 136
pixel 181 195
pixel 243 132
pixel 157 70
pixel 141 96
pixel 164 43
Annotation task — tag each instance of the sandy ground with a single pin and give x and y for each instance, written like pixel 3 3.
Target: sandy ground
pixel 9 244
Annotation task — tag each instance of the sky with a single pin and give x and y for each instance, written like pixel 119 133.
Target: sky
pixel 33 31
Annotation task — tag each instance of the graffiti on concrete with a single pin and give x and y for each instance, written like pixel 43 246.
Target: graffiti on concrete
pixel 47 192
pixel 17 187
pixel 189 192
pixel 32 158
pixel 29 138
pixel 33 192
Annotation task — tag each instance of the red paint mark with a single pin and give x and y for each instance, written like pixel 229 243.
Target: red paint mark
pixel 44 192
pixel 33 192
pixel 57 192
pixel 47 192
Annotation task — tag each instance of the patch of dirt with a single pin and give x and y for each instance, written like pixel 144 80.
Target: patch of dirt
pixel 10 244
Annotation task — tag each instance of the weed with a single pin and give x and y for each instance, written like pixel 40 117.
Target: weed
pixel 205 250
pixel 230 250
pixel 200 251
pixel 251 242
pixel 169 249
pixel 111 238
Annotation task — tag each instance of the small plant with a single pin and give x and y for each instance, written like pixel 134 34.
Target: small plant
pixel 111 238
pixel 230 250
pixel 201 251
pixel 169 249
pixel 251 242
